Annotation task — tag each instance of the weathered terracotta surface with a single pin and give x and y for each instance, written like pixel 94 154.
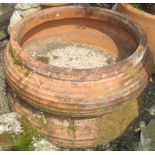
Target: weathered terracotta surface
pixel 79 132
pixel 99 102
pixel 145 20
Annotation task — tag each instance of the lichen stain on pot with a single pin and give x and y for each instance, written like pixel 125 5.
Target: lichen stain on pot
pixel 120 124
pixel 72 129
pixel 75 105
pixel 133 73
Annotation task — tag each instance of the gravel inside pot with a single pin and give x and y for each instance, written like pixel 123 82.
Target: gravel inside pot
pixel 70 55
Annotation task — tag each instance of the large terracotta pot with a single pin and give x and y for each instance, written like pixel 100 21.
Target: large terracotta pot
pixel 145 20
pixel 78 108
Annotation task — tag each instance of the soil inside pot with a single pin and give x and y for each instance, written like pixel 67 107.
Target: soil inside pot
pixel 69 55
pixel 147 7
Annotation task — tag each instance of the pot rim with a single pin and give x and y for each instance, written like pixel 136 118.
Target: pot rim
pixel 139 12
pixel 89 74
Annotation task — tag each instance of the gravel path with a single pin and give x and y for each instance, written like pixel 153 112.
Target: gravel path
pixel 9 123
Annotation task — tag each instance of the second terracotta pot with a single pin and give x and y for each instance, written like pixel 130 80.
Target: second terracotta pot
pixel 49 5
pixel 145 20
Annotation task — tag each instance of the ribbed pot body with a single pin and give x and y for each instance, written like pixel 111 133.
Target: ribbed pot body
pixel 80 107
pixel 145 20
pixel 86 132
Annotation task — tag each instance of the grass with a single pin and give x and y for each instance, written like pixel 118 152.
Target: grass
pixel 23 142
pixel 136 5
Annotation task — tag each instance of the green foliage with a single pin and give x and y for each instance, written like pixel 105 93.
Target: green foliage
pixel 136 5
pixel 23 142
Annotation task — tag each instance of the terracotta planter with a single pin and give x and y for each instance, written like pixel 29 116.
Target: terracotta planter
pixel 145 20
pixel 80 107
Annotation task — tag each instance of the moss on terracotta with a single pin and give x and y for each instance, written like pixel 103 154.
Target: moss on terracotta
pixel 133 73
pixel 27 72
pixel 105 131
pixel 15 57
pixel 72 126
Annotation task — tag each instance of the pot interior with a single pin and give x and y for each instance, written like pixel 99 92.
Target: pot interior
pixel 108 40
